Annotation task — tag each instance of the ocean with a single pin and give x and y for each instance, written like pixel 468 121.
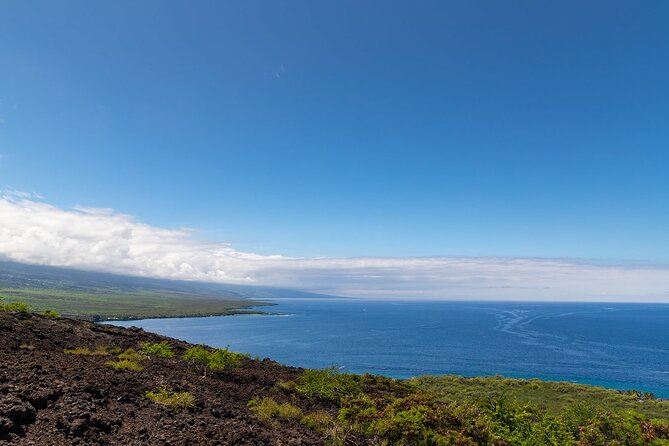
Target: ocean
pixel 620 346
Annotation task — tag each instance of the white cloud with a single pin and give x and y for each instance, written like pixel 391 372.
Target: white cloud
pixel 32 231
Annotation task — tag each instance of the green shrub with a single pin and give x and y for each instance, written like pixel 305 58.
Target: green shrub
pixel 578 415
pixel 328 384
pixel 52 314
pixel 408 425
pixel 638 394
pixel 157 349
pixel 132 355
pixel 526 425
pixel 288 386
pixel 358 408
pixel 625 428
pixel 85 351
pixel 398 387
pixel 220 359
pixel 268 411
pixel 320 421
pixel 415 419
pixel 171 399
pixel 125 364
pixel 15 306
pixel 197 355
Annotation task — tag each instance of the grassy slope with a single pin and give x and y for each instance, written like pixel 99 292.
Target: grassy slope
pixel 124 304
pixel 554 397
pixel 95 295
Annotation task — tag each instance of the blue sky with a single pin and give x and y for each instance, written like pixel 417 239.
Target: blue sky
pixel 339 129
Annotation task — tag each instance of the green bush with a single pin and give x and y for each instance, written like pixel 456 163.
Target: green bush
pixel 15 306
pixel 578 415
pixel 220 359
pixel 288 386
pixel 328 384
pixel 422 419
pixel 268 411
pixel 85 351
pixel 398 387
pixel 132 355
pixel 52 314
pixel 358 409
pixel 526 425
pixel 173 400
pixel 320 421
pixel 125 364
pixel 157 349
pixel 415 419
pixel 626 428
pixel 638 394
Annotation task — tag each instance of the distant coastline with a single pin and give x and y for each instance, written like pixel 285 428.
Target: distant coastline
pixel 238 311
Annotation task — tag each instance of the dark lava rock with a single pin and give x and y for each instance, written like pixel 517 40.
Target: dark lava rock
pixel 14 414
pixel 50 398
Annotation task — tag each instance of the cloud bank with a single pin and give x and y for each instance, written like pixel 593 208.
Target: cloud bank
pixel 33 231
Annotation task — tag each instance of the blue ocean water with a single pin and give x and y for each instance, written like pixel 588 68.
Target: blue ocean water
pixel 620 346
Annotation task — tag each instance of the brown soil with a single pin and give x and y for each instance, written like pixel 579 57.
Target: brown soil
pixel 51 398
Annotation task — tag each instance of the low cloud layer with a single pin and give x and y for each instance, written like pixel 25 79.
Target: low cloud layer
pixel 32 231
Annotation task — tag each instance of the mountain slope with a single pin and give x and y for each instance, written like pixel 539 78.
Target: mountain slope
pixel 96 296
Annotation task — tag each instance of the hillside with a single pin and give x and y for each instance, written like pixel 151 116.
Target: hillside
pixel 99 296
pixel 50 397
pixel 67 381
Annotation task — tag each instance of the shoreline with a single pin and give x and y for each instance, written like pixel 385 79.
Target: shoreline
pixel 238 311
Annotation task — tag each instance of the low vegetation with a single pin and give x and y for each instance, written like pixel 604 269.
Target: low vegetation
pixel 129 359
pixel 171 399
pixel 221 359
pixel 553 397
pixel 326 384
pixel 131 354
pixel 157 350
pixel 320 421
pixel 125 364
pixel 52 314
pixel 422 419
pixel 452 410
pixel 273 413
pixel 269 411
pixel 13 306
pixel 98 351
pixel 24 307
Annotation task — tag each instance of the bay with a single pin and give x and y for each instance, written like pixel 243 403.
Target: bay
pixel 620 346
